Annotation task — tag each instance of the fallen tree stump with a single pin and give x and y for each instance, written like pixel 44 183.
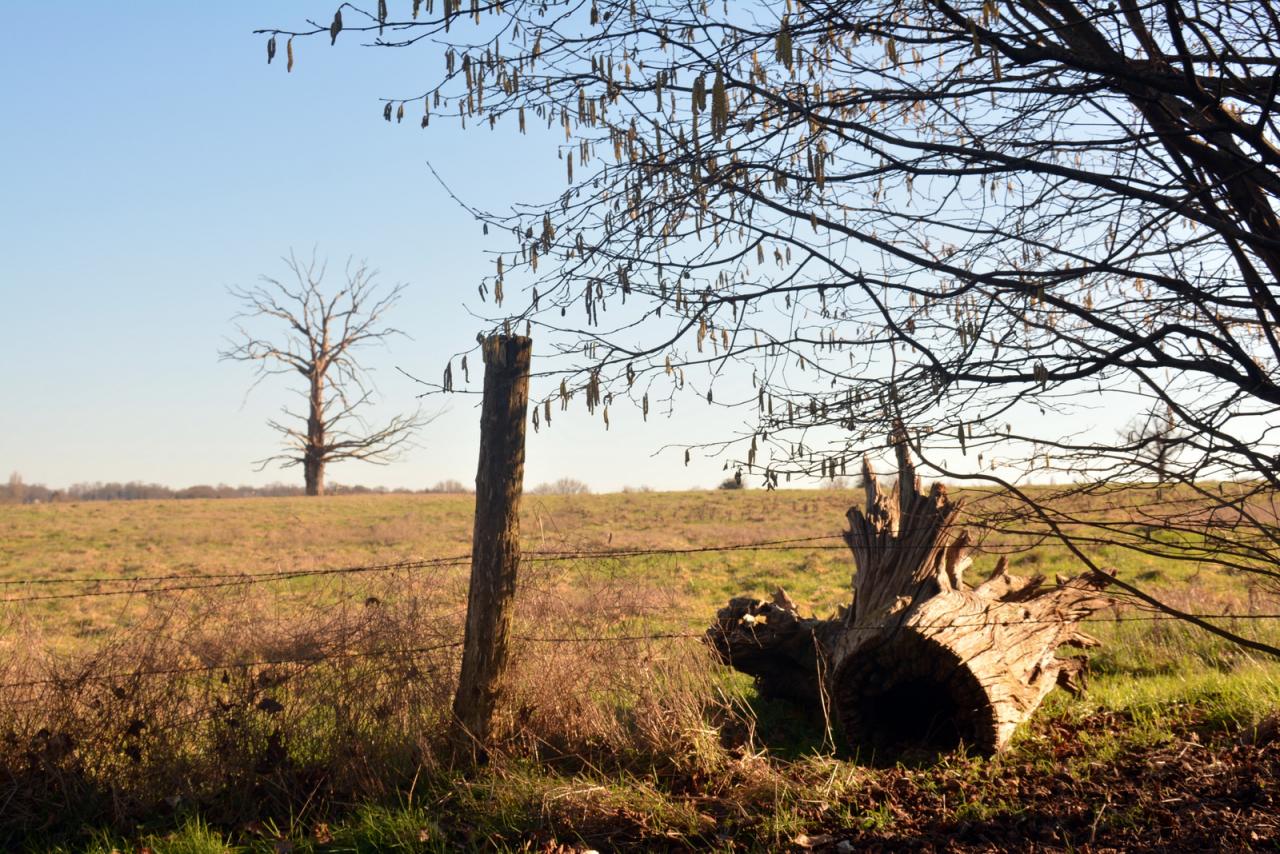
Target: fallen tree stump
pixel 919 660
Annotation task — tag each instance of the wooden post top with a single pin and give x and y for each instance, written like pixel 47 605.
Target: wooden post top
pixel 502 350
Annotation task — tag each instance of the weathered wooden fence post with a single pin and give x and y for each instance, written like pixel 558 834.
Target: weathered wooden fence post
pixel 495 545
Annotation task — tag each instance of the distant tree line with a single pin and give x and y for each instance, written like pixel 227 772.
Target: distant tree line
pixel 563 486
pixel 17 491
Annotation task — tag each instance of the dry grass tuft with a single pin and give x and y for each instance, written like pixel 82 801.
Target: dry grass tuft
pixel 241 706
pixel 159 710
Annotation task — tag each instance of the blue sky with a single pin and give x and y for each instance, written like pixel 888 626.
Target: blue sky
pixel 152 159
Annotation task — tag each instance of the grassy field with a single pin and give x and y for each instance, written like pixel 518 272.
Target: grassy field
pixel 607 743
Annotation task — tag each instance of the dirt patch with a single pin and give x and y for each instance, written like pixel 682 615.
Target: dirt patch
pixel 1193 792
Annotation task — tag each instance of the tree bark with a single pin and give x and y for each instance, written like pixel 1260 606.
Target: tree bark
pixel 920 659
pixel 313 474
pixel 313 455
pixel 495 548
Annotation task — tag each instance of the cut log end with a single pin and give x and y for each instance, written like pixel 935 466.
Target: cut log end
pixel 921 660
pixel 908 692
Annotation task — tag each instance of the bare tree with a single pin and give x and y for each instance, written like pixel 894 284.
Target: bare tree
pixel 321 332
pixel 17 488
pixel 990 223
pixel 1154 439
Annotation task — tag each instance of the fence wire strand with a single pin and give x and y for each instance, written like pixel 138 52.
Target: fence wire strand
pixel 409 653
pixel 204 581
pixel 230 579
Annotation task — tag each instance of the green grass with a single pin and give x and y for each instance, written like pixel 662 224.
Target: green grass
pixel 370 829
pixel 1160 677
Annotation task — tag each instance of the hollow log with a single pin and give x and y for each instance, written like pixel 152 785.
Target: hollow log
pixel 920 659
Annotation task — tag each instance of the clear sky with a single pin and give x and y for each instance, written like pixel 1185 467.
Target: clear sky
pixel 152 159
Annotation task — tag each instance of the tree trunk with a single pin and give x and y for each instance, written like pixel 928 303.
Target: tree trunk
pixel 495 544
pixel 313 473
pixel 313 455
pixel 920 659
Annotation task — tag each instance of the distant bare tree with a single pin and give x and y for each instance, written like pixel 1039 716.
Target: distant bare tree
pixel 562 486
pixel 450 487
pixel 1154 441
pixel 323 331
pixel 17 488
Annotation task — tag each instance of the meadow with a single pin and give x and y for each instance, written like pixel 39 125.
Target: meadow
pixel 197 712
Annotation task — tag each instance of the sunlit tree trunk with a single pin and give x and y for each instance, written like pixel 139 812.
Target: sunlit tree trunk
pixel 313 453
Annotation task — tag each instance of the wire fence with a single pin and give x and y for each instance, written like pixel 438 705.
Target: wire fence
pixel 534 556
pixel 208 581
pixel 407 653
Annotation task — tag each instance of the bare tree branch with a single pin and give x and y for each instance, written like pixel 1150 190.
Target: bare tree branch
pixel 322 333
pixel 995 223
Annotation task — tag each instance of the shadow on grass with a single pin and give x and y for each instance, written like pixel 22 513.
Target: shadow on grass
pixel 790 731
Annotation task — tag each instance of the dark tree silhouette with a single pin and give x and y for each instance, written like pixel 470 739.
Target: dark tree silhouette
pixel 984 221
pixel 321 330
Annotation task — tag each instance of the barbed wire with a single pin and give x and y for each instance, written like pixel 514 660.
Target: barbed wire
pixel 241 581
pixel 264 575
pixel 204 581
pixel 231 579
pixel 227 665
pixel 407 653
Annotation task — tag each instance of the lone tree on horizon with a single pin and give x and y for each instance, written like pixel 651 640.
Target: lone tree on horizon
pixel 323 331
